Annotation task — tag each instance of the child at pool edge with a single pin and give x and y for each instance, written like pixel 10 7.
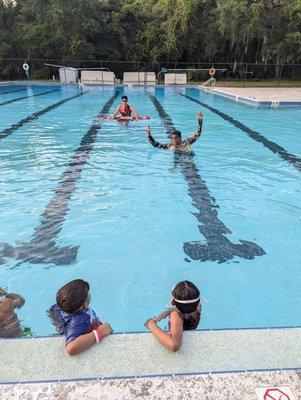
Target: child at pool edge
pixel 9 323
pixel 72 316
pixel 184 315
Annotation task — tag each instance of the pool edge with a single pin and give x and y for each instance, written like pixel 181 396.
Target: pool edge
pixel 124 356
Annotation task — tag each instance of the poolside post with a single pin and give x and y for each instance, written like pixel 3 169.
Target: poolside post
pixel 246 71
pixel 26 69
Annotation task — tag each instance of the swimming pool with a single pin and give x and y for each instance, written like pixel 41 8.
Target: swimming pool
pixel 92 199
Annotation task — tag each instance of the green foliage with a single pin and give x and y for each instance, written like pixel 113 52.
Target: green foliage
pixel 27 332
pixel 152 30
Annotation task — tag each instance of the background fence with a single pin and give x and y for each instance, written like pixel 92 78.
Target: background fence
pixel 238 74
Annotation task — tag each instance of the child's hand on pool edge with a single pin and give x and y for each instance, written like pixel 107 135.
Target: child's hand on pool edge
pixel 105 329
pixel 150 322
pixel 148 130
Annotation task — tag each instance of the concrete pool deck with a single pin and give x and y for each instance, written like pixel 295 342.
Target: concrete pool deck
pixel 260 97
pixel 232 386
pixel 130 356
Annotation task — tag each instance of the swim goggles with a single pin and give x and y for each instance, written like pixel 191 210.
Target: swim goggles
pixel 88 300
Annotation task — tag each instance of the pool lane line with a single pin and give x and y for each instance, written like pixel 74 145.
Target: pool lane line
pixel 258 137
pixel 42 248
pixel 13 91
pixel 219 247
pixel 8 131
pixel 28 97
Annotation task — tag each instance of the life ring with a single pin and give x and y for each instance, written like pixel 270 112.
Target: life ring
pixel 25 67
pixel 211 71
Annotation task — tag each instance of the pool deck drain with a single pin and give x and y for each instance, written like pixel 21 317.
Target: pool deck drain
pixel 261 97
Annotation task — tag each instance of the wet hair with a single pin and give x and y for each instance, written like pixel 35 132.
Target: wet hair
pixel 185 290
pixel 124 97
pixel 178 133
pixel 71 297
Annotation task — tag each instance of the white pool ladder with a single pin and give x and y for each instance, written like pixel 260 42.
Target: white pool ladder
pixel 211 82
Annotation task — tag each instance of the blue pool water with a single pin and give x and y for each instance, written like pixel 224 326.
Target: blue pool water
pixel 127 220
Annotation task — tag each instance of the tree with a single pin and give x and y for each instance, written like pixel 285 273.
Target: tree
pixel 152 30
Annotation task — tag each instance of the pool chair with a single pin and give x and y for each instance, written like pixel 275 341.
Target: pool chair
pixel 98 77
pixel 175 79
pixel 139 78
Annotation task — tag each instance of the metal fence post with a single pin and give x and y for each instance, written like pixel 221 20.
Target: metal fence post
pixel 246 71
pixel 279 75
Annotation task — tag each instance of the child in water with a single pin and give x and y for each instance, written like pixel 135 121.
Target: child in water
pixel 9 323
pixel 72 317
pixel 184 315
pixel 124 109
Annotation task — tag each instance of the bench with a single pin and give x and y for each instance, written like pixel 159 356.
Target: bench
pixel 98 77
pixel 143 78
pixel 175 79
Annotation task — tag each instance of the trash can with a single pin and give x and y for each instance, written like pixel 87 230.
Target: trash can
pixel 68 75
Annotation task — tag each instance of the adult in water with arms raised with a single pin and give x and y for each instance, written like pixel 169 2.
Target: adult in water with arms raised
pixel 177 144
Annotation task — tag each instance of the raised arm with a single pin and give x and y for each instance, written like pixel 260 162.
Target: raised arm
pixel 191 139
pixel 153 142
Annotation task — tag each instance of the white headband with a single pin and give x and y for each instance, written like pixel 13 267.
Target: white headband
pixel 187 301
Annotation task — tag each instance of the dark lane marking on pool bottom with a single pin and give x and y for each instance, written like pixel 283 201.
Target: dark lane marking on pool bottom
pixel 43 248
pixel 8 131
pixel 28 97
pixel 13 91
pixel 258 137
pixel 218 247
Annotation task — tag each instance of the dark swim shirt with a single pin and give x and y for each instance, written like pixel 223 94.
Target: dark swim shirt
pixel 73 325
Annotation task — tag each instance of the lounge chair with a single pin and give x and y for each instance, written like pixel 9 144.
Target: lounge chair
pixel 175 79
pixel 142 78
pixel 98 77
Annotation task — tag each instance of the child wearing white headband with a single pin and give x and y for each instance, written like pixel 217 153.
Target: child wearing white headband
pixel 184 315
